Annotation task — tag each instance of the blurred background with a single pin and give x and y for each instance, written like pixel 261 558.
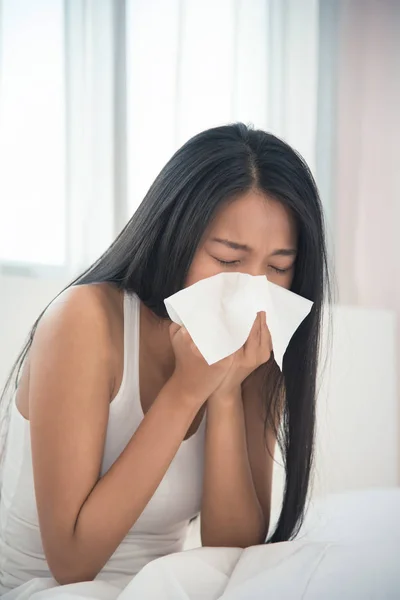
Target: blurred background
pixel 96 95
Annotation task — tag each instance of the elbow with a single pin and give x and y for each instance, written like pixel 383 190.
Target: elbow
pixel 243 536
pixel 68 570
pixel 71 559
pixel 231 538
pixel 231 541
pixel 67 577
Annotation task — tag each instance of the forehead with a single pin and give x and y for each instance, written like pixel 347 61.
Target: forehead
pixel 253 217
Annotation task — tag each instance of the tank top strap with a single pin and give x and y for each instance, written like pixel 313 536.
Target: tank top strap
pixel 129 391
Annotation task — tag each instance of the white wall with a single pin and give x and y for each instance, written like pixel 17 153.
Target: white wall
pixel 358 405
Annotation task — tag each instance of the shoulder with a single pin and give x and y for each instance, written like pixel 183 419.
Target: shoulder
pixel 88 314
pixel 78 330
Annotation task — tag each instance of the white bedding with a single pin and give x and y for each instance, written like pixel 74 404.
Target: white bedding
pixel 349 548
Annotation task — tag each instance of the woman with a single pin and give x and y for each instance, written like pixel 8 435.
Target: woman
pixel 120 433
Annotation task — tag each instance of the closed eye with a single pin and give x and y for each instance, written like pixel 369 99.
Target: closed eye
pixel 231 263
pixel 280 271
pixel 228 262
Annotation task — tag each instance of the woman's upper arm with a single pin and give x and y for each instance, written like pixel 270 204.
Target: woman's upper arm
pixel 69 393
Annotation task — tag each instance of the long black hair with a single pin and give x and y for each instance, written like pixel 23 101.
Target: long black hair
pixel 152 256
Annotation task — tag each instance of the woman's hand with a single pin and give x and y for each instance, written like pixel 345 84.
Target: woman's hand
pixel 255 352
pixel 194 377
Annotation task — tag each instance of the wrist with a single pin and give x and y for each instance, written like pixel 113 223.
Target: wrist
pixel 227 396
pixel 183 394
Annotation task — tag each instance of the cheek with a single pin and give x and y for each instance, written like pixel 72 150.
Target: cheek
pixel 284 281
pixel 288 281
pixel 203 266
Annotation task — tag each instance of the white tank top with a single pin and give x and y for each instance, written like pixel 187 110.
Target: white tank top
pixel 162 526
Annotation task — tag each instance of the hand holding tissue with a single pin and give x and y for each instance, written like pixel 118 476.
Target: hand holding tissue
pixel 219 312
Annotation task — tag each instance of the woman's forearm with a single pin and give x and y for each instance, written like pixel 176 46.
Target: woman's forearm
pixel 231 514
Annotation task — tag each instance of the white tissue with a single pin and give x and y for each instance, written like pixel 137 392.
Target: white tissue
pixel 219 312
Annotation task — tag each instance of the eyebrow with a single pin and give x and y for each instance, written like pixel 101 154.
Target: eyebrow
pixel 246 248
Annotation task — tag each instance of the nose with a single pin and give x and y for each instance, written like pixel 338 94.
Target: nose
pixel 255 270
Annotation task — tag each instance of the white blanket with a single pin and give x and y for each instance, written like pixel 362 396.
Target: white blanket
pixel 353 554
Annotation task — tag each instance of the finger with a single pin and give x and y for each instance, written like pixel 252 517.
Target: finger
pixel 173 329
pixel 188 340
pixel 262 320
pixel 195 350
pixel 265 339
pixel 252 342
pixel 255 330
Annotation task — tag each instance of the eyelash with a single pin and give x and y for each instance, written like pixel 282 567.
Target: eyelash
pixel 228 263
